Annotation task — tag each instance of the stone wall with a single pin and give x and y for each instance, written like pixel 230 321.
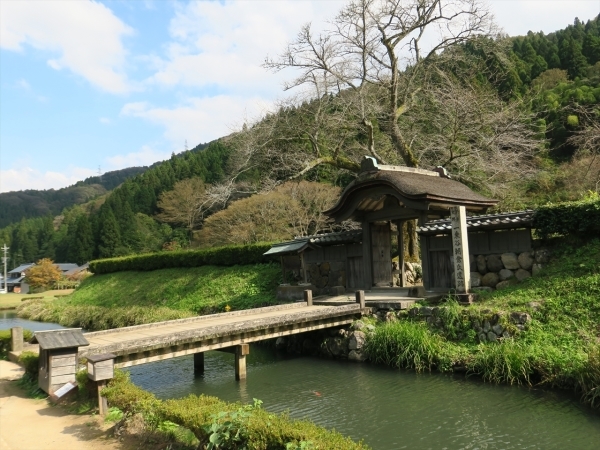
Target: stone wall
pixel 348 342
pixel 326 275
pixel 489 272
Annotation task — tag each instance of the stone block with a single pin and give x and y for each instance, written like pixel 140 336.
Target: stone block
pixel 472 261
pixel 490 279
pixel 481 265
pixel 337 290
pixel 505 274
pixel 494 263
pixel 475 279
pixel 357 340
pixel 525 260
pixel 482 337
pixel 324 269
pixel 542 256
pixel 510 261
pixel 504 284
pixel 498 329
pixel 487 326
pixel 522 274
pixel 357 356
pixel 519 318
pixel 425 311
pixel 280 343
pixel 491 336
pixel 292 293
pixel 416 291
pixel 535 269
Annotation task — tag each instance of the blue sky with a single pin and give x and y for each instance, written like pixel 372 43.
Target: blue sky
pixel 113 84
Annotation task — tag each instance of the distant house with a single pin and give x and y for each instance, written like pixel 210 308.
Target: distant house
pixel 15 278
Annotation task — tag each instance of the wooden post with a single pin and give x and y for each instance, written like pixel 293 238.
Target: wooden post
pixel 198 364
pixel 240 361
pixel 360 298
pixel 367 254
pixel 16 339
pixel 102 401
pixel 424 243
pixel 308 297
pixel 400 226
pixel 303 268
pixel 460 246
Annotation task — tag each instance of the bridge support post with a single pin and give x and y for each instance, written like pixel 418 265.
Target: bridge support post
pixel 308 297
pixel 199 363
pixel 240 361
pixel 16 339
pixel 360 298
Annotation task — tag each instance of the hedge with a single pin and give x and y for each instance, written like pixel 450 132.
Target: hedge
pixel 570 218
pixel 219 256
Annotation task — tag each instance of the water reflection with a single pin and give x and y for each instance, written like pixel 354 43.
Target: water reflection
pixel 9 319
pixel 388 409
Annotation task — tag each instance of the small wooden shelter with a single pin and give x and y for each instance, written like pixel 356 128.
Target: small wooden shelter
pixel 58 357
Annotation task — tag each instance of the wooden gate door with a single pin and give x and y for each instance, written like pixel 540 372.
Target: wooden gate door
pixel 355 273
pixel 381 242
pixel 441 269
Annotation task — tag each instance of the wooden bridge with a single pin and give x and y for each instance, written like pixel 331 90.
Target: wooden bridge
pixel 233 331
pixel 230 331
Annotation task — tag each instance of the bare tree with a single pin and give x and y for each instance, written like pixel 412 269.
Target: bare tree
pixel 387 43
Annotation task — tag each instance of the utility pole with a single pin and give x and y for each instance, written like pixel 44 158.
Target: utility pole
pixel 5 260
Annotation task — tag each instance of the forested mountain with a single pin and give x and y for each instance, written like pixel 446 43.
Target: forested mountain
pixel 17 205
pixel 517 118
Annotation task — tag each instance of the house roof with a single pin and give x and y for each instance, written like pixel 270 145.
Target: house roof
pixel 412 188
pixel 14 280
pixel 77 269
pixel 66 266
pixel 55 339
pixel 22 268
pixel 519 219
pixel 301 243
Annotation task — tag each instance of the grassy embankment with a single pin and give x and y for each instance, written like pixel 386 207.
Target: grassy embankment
pixel 12 300
pixel 131 298
pixel 559 347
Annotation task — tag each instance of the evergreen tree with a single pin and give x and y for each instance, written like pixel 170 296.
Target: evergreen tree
pixel 110 236
pixel 81 241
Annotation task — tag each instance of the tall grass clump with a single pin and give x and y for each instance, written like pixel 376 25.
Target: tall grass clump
pixel 507 362
pixel 589 378
pixel 407 345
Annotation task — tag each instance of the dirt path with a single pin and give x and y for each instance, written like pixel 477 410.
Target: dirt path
pixel 28 424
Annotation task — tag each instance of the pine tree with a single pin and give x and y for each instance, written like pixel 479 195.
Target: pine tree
pixel 110 237
pixel 81 241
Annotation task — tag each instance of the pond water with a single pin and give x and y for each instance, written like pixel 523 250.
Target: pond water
pixel 388 409
pixel 9 319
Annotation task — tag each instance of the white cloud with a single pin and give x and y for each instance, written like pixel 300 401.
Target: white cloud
pixel 198 119
pixel 26 177
pixel 223 44
pixel 144 157
pixel 517 17
pixel 105 120
pixel 86 35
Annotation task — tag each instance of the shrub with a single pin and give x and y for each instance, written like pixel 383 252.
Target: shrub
pixel 221 256
pixel 580 218
pixel 261 430
pixel 30 361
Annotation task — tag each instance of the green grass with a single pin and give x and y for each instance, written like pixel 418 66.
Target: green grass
pixel 12 300
pixel 133 298
pixel 258 428
pixel 560 346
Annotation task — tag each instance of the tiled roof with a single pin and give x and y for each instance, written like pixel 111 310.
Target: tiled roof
pixel 318 240
pixel 66 266
pixel 520 219
pixel 22 268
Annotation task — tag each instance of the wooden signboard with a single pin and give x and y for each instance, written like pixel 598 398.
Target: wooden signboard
pixel 101 367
